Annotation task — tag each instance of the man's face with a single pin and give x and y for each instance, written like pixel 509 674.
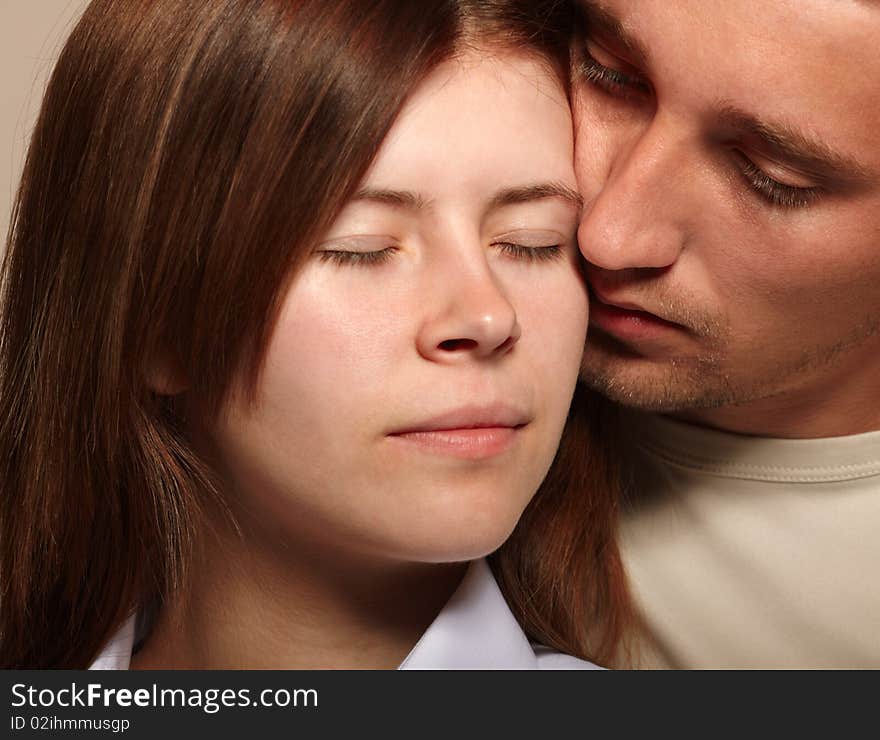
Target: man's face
pixel 729 154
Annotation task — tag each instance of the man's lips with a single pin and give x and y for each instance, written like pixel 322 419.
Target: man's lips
pixel 626 319
pixel 622 304
pixel 472 432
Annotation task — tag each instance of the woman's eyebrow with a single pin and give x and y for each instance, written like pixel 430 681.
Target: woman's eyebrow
pixel 413 201
pixel 405 199
pixel 536 191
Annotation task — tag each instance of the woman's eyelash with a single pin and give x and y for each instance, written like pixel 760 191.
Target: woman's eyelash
pixel 530 254
pixel 341 257
pixel 777 193
pixel 611 80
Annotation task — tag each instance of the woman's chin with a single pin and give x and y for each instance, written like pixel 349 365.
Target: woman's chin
pixel 462 535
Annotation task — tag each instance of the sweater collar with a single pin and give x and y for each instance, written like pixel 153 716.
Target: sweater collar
pixel 758 458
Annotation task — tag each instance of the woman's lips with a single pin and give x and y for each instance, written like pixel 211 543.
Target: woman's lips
pixel 469 444
pixel 471 433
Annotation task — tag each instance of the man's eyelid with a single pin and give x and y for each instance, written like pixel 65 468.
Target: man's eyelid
pixel 775 168
pixel 785 173
pixel 608 56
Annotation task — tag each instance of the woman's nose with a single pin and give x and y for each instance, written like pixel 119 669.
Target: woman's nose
pixel 468 317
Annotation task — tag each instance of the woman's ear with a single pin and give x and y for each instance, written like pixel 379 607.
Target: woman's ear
pixel 165 374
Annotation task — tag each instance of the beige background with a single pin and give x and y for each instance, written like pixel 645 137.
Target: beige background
pixel 31 35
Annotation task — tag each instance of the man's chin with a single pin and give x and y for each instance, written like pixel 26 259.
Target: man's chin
pixel 664 385
pixel 622 386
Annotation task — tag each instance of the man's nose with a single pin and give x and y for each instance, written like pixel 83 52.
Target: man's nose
pixel 638 218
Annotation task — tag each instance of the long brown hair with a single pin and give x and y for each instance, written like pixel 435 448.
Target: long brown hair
pixel 186 158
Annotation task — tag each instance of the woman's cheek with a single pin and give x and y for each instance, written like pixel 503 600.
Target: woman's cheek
pixel 554 313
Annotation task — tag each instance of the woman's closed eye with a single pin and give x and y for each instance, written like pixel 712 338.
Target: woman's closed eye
pixel 367 251
pixel 517 251
pixel 532 245
pixel 346 257
pixel 358 250
pixel 543 253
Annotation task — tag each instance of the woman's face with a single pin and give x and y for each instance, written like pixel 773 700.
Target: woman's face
pixel 418 378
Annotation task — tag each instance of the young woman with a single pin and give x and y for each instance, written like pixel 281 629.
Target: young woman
pixel 292 319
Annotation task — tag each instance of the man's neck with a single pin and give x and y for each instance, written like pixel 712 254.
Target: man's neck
pixel 837 408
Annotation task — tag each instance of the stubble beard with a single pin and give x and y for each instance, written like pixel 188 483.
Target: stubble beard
pixel 677 384
pixel 710 379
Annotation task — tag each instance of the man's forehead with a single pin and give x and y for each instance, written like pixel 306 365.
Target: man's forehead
pixel 807 67
pixel 600 17
pixel 831 23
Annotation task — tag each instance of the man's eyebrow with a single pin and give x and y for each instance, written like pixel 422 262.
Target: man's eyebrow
pixel 405 199
pixel 815 157
pixel 597 18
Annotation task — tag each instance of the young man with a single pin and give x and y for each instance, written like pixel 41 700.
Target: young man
pixel 729 154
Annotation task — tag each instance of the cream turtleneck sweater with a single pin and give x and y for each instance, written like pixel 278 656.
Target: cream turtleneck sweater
pixel 746 552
